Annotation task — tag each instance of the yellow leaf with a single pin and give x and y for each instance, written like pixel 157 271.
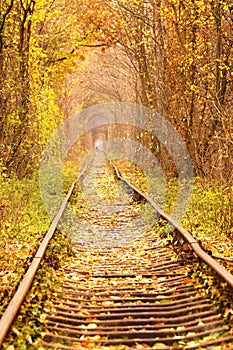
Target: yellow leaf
pixel 92 326
pixel 15 330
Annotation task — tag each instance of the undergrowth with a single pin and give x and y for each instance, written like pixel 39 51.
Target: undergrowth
pixel 210 218
pixel 23 224
pixel 209 215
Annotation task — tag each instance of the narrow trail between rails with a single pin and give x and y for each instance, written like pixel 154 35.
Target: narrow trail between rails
pixel 125 287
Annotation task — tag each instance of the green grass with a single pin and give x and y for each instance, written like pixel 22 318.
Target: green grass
pixel 210 218
pixel 23 224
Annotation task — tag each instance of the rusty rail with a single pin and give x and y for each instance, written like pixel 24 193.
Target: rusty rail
pixel 220 270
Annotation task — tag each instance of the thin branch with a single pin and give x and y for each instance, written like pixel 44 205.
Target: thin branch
pixel 5 15
pixel 74 50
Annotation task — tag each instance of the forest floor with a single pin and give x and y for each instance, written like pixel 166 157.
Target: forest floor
pixel 23 223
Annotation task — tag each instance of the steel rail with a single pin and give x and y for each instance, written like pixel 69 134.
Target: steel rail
pixel 24 286
pixel 220 270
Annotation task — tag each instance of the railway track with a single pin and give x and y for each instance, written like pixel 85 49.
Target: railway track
pixel 124 290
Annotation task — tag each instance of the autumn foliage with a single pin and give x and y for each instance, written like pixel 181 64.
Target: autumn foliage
pixel 182 53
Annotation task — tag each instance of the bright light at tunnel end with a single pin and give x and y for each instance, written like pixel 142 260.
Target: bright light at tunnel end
pixel 135 116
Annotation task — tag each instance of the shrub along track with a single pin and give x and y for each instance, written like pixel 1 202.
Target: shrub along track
pixel 121 295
